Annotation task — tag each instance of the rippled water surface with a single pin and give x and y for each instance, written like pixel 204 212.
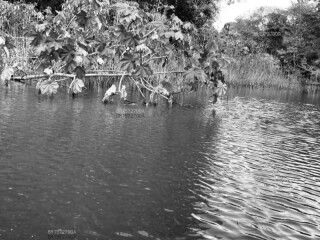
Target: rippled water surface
pixel 248 170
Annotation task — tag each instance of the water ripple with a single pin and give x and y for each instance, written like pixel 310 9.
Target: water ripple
pixel 247 169
pixel 262 176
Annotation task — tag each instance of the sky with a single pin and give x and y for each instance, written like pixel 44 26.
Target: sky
pixel 229 13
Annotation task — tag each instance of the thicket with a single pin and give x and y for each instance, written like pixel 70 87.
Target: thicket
pixel 194 11
pixel 17 17
pixel 126 40
pixel 290 37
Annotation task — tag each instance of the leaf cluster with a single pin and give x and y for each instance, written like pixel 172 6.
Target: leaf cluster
pixel 87 34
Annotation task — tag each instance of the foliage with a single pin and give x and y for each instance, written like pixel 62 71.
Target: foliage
pixel 6 75
pixel 48 87
pixel 292 36
pixel 111 91
pixel 16 24
pixel 6 44
pixel 86 34
pixel 76 85
pixel 221 88
pixel 197 12
pixel 43 4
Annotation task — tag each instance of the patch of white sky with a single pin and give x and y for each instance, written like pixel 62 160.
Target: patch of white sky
pixel 244 8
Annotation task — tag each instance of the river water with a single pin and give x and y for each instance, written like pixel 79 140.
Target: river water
pixel 247 170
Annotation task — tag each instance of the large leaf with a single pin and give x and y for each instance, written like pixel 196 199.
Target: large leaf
pixel 127 63
pixel 48 87
pixel 127 12
pixel 129 39
pixel 160 26
pixel 111 91
pixel 221 89
pixel 67 53
pixel 7 74
pixel 193 74
pixel 99 45
pixel 77 85
pixel 143 70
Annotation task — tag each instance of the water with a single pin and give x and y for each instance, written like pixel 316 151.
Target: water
pixel 250 170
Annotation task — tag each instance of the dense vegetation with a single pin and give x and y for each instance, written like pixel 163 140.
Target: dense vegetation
pixel 197 12
pixel 124 38
pixel 152 45
pixel 288 38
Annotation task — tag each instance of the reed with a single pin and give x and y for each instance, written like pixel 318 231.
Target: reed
pixel 259 70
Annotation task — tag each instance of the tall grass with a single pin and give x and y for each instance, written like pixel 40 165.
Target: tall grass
pixel 15 20
pixel 17 17
pixel 260 70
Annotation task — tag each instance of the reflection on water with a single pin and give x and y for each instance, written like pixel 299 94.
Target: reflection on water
pixel 251 171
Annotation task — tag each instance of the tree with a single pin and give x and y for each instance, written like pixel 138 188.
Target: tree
pixel 43 4
pixel 292 36
pixel 194 11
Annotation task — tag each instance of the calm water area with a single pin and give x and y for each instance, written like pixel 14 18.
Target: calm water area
pixel 246 168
